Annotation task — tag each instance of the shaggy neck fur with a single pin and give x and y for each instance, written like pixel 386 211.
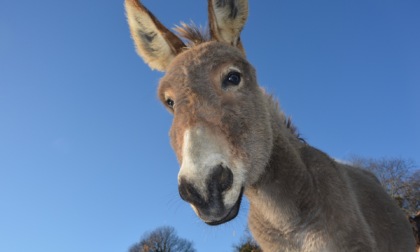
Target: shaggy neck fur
pixel 285 180
pixel 305 201
pixel 294 208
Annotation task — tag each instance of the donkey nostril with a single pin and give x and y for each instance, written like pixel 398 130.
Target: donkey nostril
pixel 224 176
pixel 189 193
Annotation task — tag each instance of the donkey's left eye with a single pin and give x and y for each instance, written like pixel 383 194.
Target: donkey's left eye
pixel 170 103
pixel 232 79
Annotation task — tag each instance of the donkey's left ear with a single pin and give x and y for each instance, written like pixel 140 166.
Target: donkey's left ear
pixel 157 45
pixel 227 18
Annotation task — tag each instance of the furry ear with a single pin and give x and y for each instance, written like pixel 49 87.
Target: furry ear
pixel 154 42
pixel 226 19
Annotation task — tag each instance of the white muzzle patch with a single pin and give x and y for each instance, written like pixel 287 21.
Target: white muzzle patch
pixel 202 151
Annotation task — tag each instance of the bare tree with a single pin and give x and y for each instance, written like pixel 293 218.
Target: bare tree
pixel 162 239
pixel 397 178
pixel 413 193
pixel 247 244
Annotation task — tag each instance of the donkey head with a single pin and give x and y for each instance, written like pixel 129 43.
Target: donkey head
pixel 221 130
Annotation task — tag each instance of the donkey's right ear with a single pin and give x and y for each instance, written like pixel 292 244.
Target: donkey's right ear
pixel 154 42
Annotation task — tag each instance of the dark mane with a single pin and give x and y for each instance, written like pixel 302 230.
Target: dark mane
pixel 293 129
pixel 193 34
pixel 287 120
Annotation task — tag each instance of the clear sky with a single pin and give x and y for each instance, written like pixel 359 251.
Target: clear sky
pixel 85 160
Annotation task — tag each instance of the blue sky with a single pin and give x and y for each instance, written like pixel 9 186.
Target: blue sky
pixel 85 160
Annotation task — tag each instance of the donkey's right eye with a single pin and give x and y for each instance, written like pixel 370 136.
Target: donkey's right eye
pixel 170 103
pixel 232 79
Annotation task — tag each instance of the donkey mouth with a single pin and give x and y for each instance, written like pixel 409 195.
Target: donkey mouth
pixel 233 212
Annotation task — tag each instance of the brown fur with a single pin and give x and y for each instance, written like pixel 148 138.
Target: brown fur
pixel 234 138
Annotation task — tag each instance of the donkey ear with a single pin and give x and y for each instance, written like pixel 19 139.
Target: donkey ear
pixel 227 18
pixel 154 42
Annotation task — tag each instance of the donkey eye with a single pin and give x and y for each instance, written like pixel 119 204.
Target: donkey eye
pixel 170 102
pixel 232 79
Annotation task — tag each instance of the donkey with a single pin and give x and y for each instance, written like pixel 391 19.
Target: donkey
pixel 231 138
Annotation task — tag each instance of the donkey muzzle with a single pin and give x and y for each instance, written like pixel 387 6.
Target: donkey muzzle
pixel 208 203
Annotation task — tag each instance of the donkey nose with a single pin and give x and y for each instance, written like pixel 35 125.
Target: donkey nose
pixel 219 180
pixel 189 193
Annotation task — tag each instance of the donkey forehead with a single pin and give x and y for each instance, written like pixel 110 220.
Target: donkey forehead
pixel 199 62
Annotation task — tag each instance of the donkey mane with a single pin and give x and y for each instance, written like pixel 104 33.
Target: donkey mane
pixel 193 34
pixel 286 120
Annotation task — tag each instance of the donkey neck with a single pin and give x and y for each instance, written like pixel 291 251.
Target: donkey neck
pixel 282 198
